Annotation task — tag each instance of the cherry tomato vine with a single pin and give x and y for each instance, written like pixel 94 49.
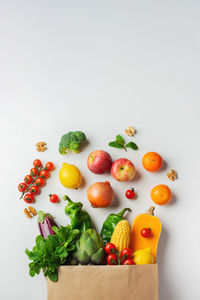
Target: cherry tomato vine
pixel 114 257
pixel 35 180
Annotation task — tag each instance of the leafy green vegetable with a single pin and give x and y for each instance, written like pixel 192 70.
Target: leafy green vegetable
pixel 131 145
pixel 120 143
pixel 48 254
pixel 71 141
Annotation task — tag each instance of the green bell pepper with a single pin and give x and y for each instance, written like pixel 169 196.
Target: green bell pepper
pixel 80 219
pixel 110 223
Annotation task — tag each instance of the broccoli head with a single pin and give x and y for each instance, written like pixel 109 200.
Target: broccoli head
pixel 71 141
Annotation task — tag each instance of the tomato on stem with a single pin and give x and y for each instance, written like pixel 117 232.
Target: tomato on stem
pixel 53 198
pixel 128 261
pixel 37 163
pixel 145 232
pixel 44 173
pixel 34 172
pixel 40 181
pixel 22 187
pixel 112 259
pixel 34 189
pixel 29 198
pixel 110 248
pixel 28 179
pixel 126 253
pixel 130 194
pixel 49 166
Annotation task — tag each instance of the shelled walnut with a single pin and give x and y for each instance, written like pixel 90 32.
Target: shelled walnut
pixel 30 212
pixel 40 146
pixel 172 175
pixel 130 131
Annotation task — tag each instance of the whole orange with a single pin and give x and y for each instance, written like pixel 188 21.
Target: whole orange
pixel 161 194
pixel 152 161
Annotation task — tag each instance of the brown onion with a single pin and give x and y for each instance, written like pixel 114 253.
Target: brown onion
pixel 100 194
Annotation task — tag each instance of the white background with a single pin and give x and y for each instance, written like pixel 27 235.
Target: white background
pixel 100 66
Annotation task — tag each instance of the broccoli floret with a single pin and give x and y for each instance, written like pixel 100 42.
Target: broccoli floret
pixel 71 141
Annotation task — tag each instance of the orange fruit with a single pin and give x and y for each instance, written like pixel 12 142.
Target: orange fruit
pixel 161 194
pixel 152 161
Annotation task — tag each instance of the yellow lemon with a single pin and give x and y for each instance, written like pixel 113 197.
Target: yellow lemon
pixel 143 257
pixel 70 176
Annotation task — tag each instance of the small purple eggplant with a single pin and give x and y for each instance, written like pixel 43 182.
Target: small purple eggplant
pixel 45 223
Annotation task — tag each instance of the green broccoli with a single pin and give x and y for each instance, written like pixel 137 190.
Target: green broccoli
pixel 71 141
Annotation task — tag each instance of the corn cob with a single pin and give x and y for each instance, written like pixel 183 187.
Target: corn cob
pixel 121 235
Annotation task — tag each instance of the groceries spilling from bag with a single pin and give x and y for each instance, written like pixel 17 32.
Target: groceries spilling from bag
pixel 79 243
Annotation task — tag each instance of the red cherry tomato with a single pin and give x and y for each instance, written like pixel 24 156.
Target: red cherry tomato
pixel 53 198
pixel 126 253
pixel 33 172
pixel 22 187
pixel 145 232
pixel 37 163
pixel 130 194
pixel 34 190
pixel 40 181
pixel 128 261
pixel 29 198
pixel 50 166
pixel 112 259
pixel 110 248
pixel 28 179
pixel 44 173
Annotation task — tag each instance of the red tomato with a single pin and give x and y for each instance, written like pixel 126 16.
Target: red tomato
pixel 145 232
pixel 37 163
pixel 29 198
pixel 130 194
pixel 34 190
pixel 40 181
pixel 28 179
pixel 50 166
pixel 110 248
pixel 53 198
pixel 112 259
pixel 22 187
pixel 44 173
pixel 126 253
pixel 33 172
pixel 128 261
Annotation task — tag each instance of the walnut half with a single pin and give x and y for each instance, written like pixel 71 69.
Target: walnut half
pixel 30 212
pixel 172 175
pixel 130 131
pixel 40 146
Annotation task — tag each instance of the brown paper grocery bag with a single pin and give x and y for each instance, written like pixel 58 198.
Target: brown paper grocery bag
pixel 138 282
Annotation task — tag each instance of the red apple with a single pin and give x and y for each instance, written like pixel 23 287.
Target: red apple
pixel 123 170
pixel 99 161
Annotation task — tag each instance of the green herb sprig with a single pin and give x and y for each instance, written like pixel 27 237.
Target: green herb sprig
pixel 120 143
